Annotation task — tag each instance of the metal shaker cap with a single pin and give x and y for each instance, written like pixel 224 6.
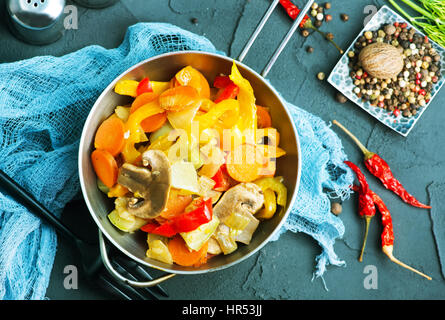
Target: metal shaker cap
pixel 36 21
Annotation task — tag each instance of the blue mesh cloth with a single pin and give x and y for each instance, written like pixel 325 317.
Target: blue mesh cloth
pixel 44 102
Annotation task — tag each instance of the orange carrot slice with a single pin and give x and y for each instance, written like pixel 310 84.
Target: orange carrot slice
pixel 182 255
pixel 110 136
pixel 263 117
pixel 178 98
pixel 244 164
pixel 142 100
pixel 105 167
pixel 154 122
pixel 176 204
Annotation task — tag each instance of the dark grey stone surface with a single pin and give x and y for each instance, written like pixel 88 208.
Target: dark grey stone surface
pixel 283 269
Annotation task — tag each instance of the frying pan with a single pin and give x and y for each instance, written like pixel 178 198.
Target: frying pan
pixel 163 68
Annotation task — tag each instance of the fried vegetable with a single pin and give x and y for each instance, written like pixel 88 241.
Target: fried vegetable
pixel 178 98
pixel 270 205
pixel 213 247
pixel 102 187
pixel 126 87
pixel 110 136
pixel 176 204
pixel 237 220
pixel 226 242
pixel 263 117
pixel 183 119
pixel 134 132
pixel 143 99
pixel 213 157
pixel 246 234
pixel 159 86
pixel 165 129
pixel 189 76
pixel 122 219
pixel 158 250
pixel 150 184
pixel 122 113
pixel 227 111
pixel 181 253
pixel 105 167
pixel 275 186
pixel 197 238
pixel 245 163
pixel 184 176
pixel 242 198
pixel 247 123
pixel 117 191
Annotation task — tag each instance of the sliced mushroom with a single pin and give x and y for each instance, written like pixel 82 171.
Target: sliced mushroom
pixel 150 184
pixel 242 198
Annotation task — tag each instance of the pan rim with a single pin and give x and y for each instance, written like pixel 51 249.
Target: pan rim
pixel 96 219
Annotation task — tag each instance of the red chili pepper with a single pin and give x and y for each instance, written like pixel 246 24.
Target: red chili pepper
pixel 293 11
pixel 222 179
pixel 366 205
pixel 144 86
pixel 185 222
pixel 388 233
pixel 380 169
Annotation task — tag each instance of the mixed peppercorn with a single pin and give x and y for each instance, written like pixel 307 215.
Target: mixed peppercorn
pixel 412 88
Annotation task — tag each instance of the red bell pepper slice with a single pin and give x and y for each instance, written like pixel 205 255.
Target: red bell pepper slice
pixel 227 89
pixel 222 179
pixel 221 82
pixel 188 221
pixel 144 86
pixel 166 229
pixel 229 92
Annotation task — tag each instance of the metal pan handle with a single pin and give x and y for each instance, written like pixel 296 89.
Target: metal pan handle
pixel 285 40
pixel 118 276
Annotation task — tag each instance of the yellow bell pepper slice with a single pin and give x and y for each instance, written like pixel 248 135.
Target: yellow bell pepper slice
pixel 227 111
pixel 133 133
pixel 247 123
pixel 270 205
pixel 159 86
pixel 126 87
pixel 277 186
pixel 129 87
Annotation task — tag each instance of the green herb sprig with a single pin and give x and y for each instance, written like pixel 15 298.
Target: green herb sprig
pixel 432 19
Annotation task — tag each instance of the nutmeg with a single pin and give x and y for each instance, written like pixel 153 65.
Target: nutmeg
pixel 381 60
